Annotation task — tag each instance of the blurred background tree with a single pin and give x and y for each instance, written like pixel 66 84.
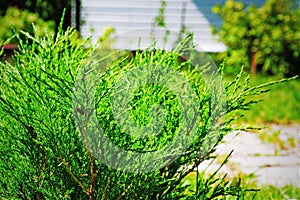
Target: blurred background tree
pixel 46 9
pixel 16 20
pixel 18 15
pixel 265 39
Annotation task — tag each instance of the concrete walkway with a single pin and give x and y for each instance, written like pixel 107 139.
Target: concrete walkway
pixel 271 164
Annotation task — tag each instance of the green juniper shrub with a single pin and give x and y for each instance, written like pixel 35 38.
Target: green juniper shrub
pixel 42 154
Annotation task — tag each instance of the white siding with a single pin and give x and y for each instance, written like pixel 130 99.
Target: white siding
pixel 126 15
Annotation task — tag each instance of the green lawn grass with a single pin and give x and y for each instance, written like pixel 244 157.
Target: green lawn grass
pixel 264 192
pixel 280 105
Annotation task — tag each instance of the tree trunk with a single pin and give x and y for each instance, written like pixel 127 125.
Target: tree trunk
pixel 253 64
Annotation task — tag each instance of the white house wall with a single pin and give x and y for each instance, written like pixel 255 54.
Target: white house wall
pixel 127 15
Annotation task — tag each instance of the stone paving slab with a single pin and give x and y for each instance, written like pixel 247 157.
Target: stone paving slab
pixel 251 155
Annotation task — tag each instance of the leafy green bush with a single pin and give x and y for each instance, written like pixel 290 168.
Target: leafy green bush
pixel 42 155
pixel 16 20
pixel 47 10
pixel 267 38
